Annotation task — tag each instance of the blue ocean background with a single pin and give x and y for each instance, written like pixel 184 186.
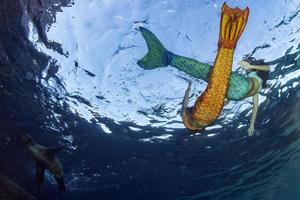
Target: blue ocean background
pixel 69 77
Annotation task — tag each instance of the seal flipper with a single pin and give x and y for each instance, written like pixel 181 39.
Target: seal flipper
pixel 40 174
pixel 157 55
pixel 61 184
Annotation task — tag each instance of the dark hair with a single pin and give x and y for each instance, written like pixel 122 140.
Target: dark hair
pixel 264 75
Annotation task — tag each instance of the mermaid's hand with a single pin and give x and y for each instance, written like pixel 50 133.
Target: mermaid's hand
pixel 250 131
pixel 245 65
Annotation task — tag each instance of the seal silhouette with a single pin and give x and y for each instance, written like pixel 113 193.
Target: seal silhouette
pixel 45 159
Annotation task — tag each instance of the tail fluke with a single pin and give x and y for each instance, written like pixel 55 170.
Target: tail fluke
pixel 232 25
pixel 157 55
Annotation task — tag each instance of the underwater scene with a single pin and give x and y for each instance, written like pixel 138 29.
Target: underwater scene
pixel 150 99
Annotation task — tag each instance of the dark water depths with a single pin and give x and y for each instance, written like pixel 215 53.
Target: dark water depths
pixel 222 163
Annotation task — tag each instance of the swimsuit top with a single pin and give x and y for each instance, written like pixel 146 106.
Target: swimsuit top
pixel 254 75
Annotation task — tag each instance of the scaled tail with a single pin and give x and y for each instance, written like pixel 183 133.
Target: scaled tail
pixel 157 55
pixel 209 105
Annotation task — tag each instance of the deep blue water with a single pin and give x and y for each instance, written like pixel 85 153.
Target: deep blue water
pixel 121 124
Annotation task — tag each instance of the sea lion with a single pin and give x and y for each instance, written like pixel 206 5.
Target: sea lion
pixel 45 159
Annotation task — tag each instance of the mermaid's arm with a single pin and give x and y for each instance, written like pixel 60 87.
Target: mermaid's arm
pixel 248 66
pixel 253 116
pixel 260 67
pixel 185 101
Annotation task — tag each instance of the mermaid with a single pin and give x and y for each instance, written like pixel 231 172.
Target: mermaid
pixel 222 82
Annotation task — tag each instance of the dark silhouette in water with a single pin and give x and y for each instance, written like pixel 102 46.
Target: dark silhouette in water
pixel 45 159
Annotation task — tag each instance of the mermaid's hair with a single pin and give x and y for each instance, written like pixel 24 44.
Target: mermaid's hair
pixel 264 75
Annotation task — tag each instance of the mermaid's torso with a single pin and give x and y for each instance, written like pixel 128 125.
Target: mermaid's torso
pixel 239 87
pixel 255 84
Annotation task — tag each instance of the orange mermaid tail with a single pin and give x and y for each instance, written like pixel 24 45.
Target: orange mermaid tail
pixel 209 105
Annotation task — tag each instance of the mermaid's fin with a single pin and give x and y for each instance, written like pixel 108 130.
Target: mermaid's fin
pixel 233 22
pixel 157 55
